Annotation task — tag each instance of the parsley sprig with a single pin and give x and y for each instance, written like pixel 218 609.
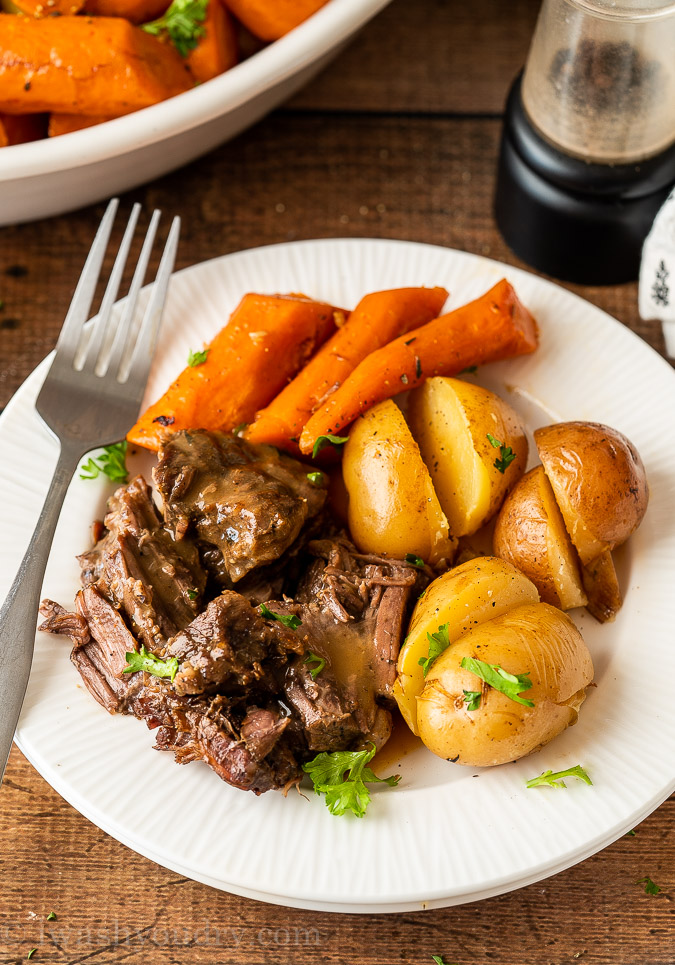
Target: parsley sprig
pixel 112 463
pixel 414 560
pixel 182 23
pixel 438 642
pixel 506 454
pixel 144 660
pixel 197 358
pixel 472 699
pixel 342 776
pixel 555 778
pixel 326 441
pixel 506 683
pixel 319 664
pixel 288 619
pixel 651 888
pixel 316 478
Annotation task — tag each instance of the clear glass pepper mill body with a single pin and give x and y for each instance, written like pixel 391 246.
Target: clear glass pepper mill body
pixel 599 83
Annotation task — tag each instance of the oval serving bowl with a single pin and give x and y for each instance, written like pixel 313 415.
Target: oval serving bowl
pixel 60 174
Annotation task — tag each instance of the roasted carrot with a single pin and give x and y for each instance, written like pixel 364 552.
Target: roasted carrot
pixel 21 128
pixel 271 19
pixel 268 339
pixel 67 123
pixel 135 11
pixel 49 8
pixel 216 50
pixel 84 65
pixel 376 320
pixel 493 327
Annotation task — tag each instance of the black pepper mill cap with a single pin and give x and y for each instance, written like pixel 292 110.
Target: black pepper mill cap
pixel 569 218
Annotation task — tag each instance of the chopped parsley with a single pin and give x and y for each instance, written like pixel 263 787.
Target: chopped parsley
pixel 651 888
pixel 31 953
pixel 438 642
pixel 144 660
pixel 327 440
pixel 469 370
pixel 182 23
pixel 472 699
pixel 288 619
pixel 51 916
pixel 112 463
pixel 316 478
pixel 506 683
pixel 192 594
pixel 342 776
pixel 631 834
pixel 240 428
pixel 197 358
pixel 314 658
pixel 555 778
pixel 414 560
pixel 506 453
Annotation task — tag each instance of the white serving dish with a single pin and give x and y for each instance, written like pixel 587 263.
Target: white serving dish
pixel 60 174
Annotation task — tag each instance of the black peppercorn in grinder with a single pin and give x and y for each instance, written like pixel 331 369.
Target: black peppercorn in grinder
pixel 588 149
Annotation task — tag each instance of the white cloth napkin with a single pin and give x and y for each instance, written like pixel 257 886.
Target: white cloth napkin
pixel 656 294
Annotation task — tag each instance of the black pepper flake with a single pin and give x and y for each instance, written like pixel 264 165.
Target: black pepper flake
pixel 411 340
pixel 9 323
pixel 16 271
pixel 26 86
pixel 418 367
pixel 164 420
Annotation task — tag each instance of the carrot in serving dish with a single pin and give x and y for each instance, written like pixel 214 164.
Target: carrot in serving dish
pixel 493 327
pixel 271 19
pixel 216 50
pixel 84 65
pixel 21 128
pixel 135 11
pixel 377 319
pixel 67 123
pixel 267 341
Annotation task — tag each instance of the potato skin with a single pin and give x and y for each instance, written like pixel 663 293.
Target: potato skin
pixel 393 508
pixel 537 639
pixel 530 533
pixel 462 598
pixel 451 419
pixel 599 483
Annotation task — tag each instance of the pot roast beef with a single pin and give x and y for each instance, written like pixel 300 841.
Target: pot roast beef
pixel 250 695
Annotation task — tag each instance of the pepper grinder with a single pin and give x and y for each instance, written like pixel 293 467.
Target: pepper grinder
pixel 588 148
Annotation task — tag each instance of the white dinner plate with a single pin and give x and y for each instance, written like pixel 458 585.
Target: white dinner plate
pixel 446 834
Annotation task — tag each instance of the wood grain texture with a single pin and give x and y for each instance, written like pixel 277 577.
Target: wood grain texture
pixel 398 139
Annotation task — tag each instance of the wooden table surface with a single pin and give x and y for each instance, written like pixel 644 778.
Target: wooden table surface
pixel 396 139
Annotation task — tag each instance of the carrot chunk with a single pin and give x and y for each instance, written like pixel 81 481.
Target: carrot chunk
pixel 67 123
pixel 21 128
pixel 216 50
pixel 493 327
pixel 268 339
pixel 84 65
pixel 376 320
pixel 271 19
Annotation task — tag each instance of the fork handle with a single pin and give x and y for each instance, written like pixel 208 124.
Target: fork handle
pixel 18 617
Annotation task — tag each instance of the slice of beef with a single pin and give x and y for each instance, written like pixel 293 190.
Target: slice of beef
pixel 60 620
pixel 230 646
pixel 157 583
pixel 245 503
pixel 363 588
pixel 327 718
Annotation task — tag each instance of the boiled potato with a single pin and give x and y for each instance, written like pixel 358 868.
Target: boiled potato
pixel 393 508
pixel 535 639
pixel 602 588
pixel 462 598
pixel 599 483
pixel 531 534
pixel 453 421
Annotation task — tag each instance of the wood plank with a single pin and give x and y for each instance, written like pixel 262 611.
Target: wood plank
pixel 434 56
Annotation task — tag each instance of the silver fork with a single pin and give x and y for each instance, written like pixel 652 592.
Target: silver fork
pixel 90 398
